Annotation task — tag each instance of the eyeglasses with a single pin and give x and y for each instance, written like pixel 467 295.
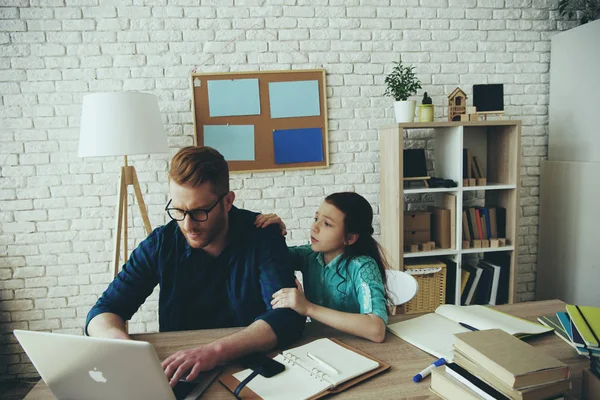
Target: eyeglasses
pixel 198 215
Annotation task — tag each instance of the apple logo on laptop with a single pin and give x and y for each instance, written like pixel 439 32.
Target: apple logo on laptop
pixel 97 376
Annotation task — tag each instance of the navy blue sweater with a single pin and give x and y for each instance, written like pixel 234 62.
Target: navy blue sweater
pixel 198 291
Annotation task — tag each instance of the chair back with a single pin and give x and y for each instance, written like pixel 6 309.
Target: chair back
pixel 402 287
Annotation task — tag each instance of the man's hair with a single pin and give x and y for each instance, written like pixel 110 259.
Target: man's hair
pixel 195 165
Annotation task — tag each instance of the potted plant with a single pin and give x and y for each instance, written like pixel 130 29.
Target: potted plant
pixel 584 10
pixel 402 83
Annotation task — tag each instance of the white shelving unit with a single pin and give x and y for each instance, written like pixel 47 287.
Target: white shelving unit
pixel 497 144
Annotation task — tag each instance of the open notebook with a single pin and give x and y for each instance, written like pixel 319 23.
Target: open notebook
pixel 305 378
pixel 434 333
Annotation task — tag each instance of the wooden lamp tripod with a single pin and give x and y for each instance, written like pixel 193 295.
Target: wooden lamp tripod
pixel 128 177
pixel 122 124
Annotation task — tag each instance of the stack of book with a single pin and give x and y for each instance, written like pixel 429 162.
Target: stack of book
pixel 579 326
pixel 595 365
pixel 493 364
pixel 484 282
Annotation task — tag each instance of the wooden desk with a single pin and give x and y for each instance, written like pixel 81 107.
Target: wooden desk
pixel 406 360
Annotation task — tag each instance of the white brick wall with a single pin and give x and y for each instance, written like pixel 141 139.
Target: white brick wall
pixel 57 210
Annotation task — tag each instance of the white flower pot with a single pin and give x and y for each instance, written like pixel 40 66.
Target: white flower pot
pixel 405 110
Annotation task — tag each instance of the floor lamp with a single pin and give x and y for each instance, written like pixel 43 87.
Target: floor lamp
pixel 122 124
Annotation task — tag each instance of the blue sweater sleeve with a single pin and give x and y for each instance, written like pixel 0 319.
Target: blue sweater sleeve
pixel 136 281
pixel 275 275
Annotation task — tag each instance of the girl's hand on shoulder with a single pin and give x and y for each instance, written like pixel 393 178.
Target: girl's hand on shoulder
pixel 291 298
pixel 264 220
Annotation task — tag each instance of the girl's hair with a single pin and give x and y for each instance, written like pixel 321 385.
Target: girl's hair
pixel 358 219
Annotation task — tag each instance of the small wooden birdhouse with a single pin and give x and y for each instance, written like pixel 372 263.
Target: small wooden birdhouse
pixel 457 104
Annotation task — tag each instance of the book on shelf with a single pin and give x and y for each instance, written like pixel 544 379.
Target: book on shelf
pixel 468 294
pixel 486 215
pixel 478 224
pixel 465 227
pixel 464 279
pixel 538 392
pixel 313 370
pixel 501 259
pixel 472 218
pixel 516 363
pixel 440 226
pixel 496 272
pixel 451 271
pixel 486 285
pixel 477 168
pixel 500 221
pixel 467 163
pixel 449 202
pixel 434 332
pixel 493 223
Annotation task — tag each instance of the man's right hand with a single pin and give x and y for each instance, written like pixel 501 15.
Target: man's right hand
pixel 196 360
pixel 264 220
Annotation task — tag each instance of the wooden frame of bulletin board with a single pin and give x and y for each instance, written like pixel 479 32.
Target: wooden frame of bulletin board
pixel 234 114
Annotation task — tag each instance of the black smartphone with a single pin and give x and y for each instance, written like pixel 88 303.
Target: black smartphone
pixel 182 389
pixel 266 366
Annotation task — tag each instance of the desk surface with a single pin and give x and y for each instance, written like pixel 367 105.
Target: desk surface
pixel 405 359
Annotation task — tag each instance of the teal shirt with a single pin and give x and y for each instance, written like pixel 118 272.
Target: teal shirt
pixel 358 290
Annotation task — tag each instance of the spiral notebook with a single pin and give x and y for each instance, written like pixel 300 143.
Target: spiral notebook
pixel 305 378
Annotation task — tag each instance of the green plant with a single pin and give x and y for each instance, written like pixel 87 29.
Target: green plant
pixel 585 10
pixel 402 82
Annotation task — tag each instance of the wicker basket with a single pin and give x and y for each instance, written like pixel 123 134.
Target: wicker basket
pixel 431 277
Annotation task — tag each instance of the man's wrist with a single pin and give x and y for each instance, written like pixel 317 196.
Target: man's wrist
pixel 219 351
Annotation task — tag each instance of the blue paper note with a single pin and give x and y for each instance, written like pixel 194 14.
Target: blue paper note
pixel 294 99
pixel 298 145
pixel 230 97
pixel 235 142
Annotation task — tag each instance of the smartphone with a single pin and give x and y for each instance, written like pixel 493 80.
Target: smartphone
pixel 265 366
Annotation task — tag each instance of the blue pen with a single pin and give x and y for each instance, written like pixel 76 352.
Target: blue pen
pixel 469 327
pixel 423 374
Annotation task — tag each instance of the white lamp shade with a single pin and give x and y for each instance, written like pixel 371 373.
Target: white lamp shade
pixel 121 123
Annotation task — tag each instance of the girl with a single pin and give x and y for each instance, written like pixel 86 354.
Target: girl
pixel 343 269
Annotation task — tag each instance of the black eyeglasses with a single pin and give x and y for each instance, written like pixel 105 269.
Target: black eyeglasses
pixel 198 215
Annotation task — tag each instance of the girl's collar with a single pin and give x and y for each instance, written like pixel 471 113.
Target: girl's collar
pixel 332 263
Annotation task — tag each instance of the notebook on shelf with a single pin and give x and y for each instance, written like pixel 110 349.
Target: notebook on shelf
pixel 434 332
pixel 516 363
pixel 305 378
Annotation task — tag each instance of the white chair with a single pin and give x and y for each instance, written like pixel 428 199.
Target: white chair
pixel 402 287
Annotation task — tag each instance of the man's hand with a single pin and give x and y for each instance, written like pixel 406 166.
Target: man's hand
pixel 264 220
pixel 203 358
pixel 291 298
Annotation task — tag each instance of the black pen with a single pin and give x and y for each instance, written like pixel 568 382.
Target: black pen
pixel 469 327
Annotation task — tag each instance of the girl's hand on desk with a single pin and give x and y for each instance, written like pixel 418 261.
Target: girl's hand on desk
pixel 291 298
pixel 198 359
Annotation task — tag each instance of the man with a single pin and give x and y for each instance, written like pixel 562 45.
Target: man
pixel 214 267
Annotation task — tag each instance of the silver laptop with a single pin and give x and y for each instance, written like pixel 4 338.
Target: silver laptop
pixel 80 367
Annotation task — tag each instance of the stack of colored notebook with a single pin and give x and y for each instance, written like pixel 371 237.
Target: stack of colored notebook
pixel 579 326
pixel 493 364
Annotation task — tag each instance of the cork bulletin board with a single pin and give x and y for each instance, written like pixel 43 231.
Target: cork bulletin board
pixel 263 120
